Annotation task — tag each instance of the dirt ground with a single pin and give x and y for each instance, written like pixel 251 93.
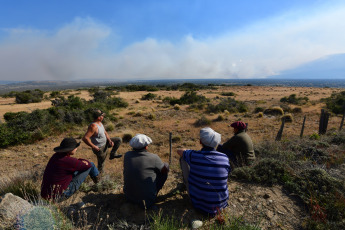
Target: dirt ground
pixel 269 206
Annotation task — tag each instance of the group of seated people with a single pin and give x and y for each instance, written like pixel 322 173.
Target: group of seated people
pixel 205 172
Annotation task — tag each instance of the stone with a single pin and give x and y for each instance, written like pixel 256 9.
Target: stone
pixel 195 224
pixel 240 199
pixel 12 206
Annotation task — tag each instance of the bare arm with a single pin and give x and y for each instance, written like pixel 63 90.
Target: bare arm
pixel 108 138
pixel 180 152
pixel 91 130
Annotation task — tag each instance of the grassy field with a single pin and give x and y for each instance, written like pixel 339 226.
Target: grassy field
pixel 254 201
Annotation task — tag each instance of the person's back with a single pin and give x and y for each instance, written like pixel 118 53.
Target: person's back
pixel 241 146
pixel 207 179
pixel 140 175
pixel 144 173
pixel 205 173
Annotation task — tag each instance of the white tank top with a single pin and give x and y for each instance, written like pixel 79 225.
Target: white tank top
pixel 99 139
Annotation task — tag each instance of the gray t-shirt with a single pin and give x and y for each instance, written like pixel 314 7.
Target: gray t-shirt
pixel 99 139
pixel 140 172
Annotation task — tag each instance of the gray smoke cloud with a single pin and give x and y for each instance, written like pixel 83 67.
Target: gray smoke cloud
pixel 88 49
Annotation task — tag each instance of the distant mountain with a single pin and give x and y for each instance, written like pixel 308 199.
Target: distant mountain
pixel 329 67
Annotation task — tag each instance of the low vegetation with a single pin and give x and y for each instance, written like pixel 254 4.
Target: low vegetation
pixel 24 127
pixel 228 104
pixel 293 99
pixel 309 169
pixel 336 102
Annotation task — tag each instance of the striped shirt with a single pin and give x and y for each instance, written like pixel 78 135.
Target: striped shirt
pixel 208 177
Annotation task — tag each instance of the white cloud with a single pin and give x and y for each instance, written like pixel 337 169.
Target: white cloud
pixel 262 49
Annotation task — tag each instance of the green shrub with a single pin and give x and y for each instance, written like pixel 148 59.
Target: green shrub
pixel 22 185
pixel 177 107
pixel 229 104
pixel 297 110
pixel 202 121
pixel 228 94
pixel 55 94
pixel 288 117
pixel 127 137
pixel 293 99
pixel 314 136
pixel 259 109
pixel 149 96
pixel 29 96
pixel 219 118
pixel 336 102
pixel 275 111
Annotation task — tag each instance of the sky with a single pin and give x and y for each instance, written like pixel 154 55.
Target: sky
pixel 155 39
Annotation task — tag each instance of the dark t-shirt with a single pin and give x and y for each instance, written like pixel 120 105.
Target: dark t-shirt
pixel 59 173
pixel 140 170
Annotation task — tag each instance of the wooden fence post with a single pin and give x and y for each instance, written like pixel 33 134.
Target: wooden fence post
pixel 321 121
pixel 302 130
pixel 170 146
pixel 280 132
pixel 342 122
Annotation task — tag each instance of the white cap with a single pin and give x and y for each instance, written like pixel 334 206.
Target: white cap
pixel 209 137
pixel 140 141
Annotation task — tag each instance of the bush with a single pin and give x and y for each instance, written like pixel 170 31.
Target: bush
pixel 336 102
pixel 203 121
pixel 220 118
pixel 259 109
pixel 275 111
pixel 293 99
pixel 229 104
pixel 288 117
pixel 177 107
pixel 127 137
pixel 149 96
pixel 229 94
pixel 297 110
pixel 29 96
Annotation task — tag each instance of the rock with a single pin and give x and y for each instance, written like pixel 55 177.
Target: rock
pixel 11 206
pixel 195 224
pixel 241 200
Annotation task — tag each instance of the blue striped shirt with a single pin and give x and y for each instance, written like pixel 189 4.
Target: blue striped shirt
pixel 208 177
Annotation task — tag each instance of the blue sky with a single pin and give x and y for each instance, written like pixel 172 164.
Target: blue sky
pixel 152 39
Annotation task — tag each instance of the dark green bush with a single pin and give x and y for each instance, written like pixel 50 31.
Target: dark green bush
pixel 189 97
pixel 259 109
pixel 229 104
pixel 228 94
pixel 202 121
pixel 293 99
pixel 149 96
pixel 336 102
pixel 275 111
pixel 29 96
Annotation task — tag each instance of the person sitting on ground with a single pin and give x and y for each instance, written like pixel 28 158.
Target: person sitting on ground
pixel 64 174
pixel 239 148
pixel 98 139
pixel 205 174
pixel 144 173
